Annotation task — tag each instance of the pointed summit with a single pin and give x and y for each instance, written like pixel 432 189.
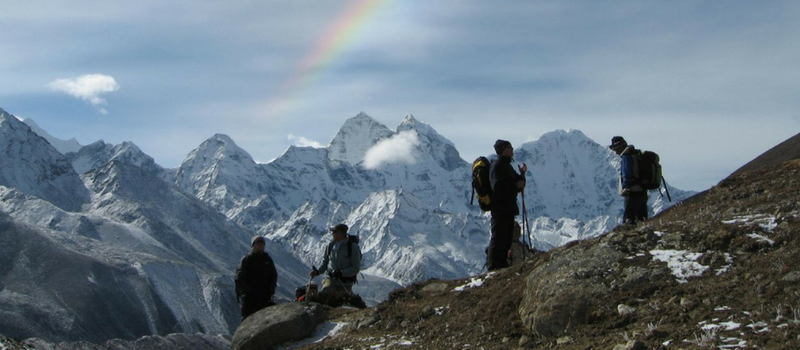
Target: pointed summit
pixel 440 148
pixel 409 119
pixel 33 166
pixel 219 171
pixel 355 137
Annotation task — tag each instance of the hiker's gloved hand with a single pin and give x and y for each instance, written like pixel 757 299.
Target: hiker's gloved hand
pixel 337 273
pixel 313 273
pixel 625 192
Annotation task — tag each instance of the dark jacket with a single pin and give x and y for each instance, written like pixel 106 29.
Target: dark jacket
pixel 256 275
pixel 504 180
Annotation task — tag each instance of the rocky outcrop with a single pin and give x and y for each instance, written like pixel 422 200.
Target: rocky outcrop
pixel 278 324
pixel 561 292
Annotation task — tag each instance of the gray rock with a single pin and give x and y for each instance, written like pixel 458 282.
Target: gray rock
pixel 625 310
pixel 278 324
pixel 435 287
pixel 561 293
pixel 793 276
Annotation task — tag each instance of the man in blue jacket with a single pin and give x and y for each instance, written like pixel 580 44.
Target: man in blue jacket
pixel 506 184
pixel 629 187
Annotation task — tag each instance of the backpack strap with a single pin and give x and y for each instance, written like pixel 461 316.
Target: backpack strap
pixel 349 248
pixel 329 250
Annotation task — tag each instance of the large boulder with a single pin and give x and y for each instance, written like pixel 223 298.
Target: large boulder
pixel 278 324
pixel 562 292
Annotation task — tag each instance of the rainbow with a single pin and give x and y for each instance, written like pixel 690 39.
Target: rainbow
pixel 336 39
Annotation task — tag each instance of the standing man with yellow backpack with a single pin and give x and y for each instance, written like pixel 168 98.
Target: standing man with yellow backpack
pixel 506 184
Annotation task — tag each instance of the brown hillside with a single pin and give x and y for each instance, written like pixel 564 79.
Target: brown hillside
pixel 744 232
pixel 785 151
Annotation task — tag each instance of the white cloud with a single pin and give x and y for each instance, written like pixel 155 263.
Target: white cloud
pixel 87 87
pixel 396 149
pixel 301 141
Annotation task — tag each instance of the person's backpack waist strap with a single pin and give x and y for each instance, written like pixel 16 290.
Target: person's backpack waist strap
pixel 345 279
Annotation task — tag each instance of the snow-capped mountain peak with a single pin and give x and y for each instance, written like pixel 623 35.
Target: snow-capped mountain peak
pixel 442 150
pixel 99 153
pixel 355 137
pixel 33 166
pixel 221 172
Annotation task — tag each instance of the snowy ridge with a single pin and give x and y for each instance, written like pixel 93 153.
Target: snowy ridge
pixel 63 146
pixel 175 236
pixel 33 166
pixel 99 153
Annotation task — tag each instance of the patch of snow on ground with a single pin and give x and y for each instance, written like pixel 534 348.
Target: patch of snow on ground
pixel 734 343
pixel 474 282
pixel 682 263
pixel 759 327
pixel 726 326
pixel 323 331
pixel 728 264
pixel 761 238
pixel 440 310
pixel 766 222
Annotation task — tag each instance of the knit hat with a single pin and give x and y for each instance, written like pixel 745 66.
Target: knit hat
pixel 500 145
pixel 617 142
pixel 340 227
pixel 257 238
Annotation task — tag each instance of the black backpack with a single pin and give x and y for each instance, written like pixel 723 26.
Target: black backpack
pixel 649 169
pixel 351 239
pixel 481 184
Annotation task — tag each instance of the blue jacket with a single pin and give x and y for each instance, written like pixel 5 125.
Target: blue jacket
pixel 338 259
pixel 628 170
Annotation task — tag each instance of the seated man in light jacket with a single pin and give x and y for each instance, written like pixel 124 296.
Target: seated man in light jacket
pixel 342 261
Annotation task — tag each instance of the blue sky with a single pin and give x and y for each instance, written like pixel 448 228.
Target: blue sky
pixel 708 85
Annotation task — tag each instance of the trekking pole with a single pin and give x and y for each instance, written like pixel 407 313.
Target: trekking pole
pixel 525 222
pixel 666 189
pixel 310 279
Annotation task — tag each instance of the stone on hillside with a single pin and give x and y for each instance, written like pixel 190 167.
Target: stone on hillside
pixel 562 293
pixel 278 324
pixel 625 310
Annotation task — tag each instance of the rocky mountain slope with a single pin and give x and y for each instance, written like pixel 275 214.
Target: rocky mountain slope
pixel 715 272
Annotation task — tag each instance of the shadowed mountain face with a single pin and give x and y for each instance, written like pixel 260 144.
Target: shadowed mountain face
pixel 102 300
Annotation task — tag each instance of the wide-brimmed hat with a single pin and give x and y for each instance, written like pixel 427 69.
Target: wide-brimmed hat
pixel 617 142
